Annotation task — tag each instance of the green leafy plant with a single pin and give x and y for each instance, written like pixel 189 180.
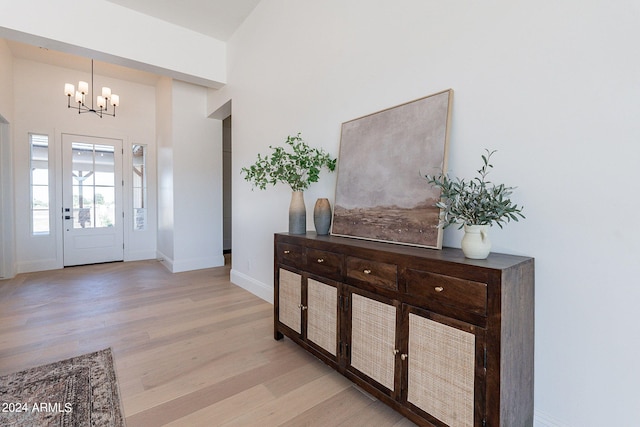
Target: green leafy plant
pixel 296 165
pixel 476 201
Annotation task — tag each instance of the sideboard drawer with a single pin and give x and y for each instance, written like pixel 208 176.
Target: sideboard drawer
pixel 375 273
pixel 451 291
pixel 325 263
pixel 292 255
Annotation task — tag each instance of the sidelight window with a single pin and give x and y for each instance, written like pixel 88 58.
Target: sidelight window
pixel 39 157
pixel 139 179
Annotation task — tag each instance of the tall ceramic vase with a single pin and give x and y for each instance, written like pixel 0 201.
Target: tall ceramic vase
pixel 322 216
pixel 297 214
pixel 476 243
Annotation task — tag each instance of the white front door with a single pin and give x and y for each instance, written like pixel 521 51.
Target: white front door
pixel 92 200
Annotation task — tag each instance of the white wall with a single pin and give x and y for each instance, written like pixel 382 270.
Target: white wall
pixel 190 179
pixel 164 131
pixel 6 81
pixel 40 107
pixel 553 86
pixel 110 32
pixel 7 246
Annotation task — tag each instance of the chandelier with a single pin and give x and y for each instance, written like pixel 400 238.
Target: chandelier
pixel 102 102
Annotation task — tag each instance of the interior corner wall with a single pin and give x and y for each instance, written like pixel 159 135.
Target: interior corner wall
pixel 551 85
pixel 7 220
pixel 164 135
pixel 6 82
pixel 190 168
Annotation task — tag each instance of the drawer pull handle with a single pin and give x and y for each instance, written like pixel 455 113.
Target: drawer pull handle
pixel 396 351
pixel 320 260
pixel 404 356
pixel 287 251
pixel 367 271
pixel 302 307
pixel 439 288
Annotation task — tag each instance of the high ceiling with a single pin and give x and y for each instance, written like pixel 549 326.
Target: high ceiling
pixel 216 18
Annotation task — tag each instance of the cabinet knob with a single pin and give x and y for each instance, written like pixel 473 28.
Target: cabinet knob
pixel 287 252
pixel 367 271
pixel 404 356
pixel 396 351
pixel 320 260
pixel 439 288
pixel 302 307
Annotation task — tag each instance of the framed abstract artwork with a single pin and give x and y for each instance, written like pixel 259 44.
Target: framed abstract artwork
pixel 381 190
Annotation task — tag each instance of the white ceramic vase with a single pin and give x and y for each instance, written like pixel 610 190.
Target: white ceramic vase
pixel 297 214
pixel 476 243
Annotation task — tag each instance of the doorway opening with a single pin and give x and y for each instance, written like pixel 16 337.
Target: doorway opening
pixel 226 189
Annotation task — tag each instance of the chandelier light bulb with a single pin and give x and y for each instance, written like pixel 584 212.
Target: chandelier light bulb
pixel 83 87
pixel 106 92
pixel 101 103
pixel 69 90
pixel 78 97
pixel 115 100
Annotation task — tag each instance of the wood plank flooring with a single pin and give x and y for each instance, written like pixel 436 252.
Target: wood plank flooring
pixel 190 349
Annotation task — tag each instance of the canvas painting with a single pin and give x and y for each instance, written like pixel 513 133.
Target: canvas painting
pixel 381 191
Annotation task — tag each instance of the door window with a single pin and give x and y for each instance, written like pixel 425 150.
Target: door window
pixel 93 185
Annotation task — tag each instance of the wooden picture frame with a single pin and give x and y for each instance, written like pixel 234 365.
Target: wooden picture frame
pixel 381 190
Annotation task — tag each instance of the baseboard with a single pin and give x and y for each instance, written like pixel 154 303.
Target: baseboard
pixel 165 260
pixel 190 264
pixel 540 419
pixel 255 287
pixel 140 256
pixel 40 265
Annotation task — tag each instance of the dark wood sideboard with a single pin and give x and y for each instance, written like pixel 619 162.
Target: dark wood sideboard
pixel 444 340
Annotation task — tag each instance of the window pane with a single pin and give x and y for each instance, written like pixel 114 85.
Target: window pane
pixel 40 220
pixel 82 163
pixel 139 218
pixel 105 207
pixel 39 148
pixel 139 180
pixel 39 176
pixel 40 197
pixel 104 165
pixel 82 206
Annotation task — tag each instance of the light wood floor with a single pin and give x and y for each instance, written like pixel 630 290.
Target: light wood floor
pixel 190 348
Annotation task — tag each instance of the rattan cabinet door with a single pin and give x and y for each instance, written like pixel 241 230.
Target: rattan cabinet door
pixel 290 299
pixel 322 315
pixel 373 339
pixel 441 370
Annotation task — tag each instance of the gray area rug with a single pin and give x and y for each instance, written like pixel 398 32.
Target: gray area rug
pixel 81 391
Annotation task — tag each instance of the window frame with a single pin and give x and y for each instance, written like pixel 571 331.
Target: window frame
pixel 38 140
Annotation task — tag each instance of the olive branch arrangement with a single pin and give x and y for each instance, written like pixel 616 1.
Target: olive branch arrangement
pixel 476 201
